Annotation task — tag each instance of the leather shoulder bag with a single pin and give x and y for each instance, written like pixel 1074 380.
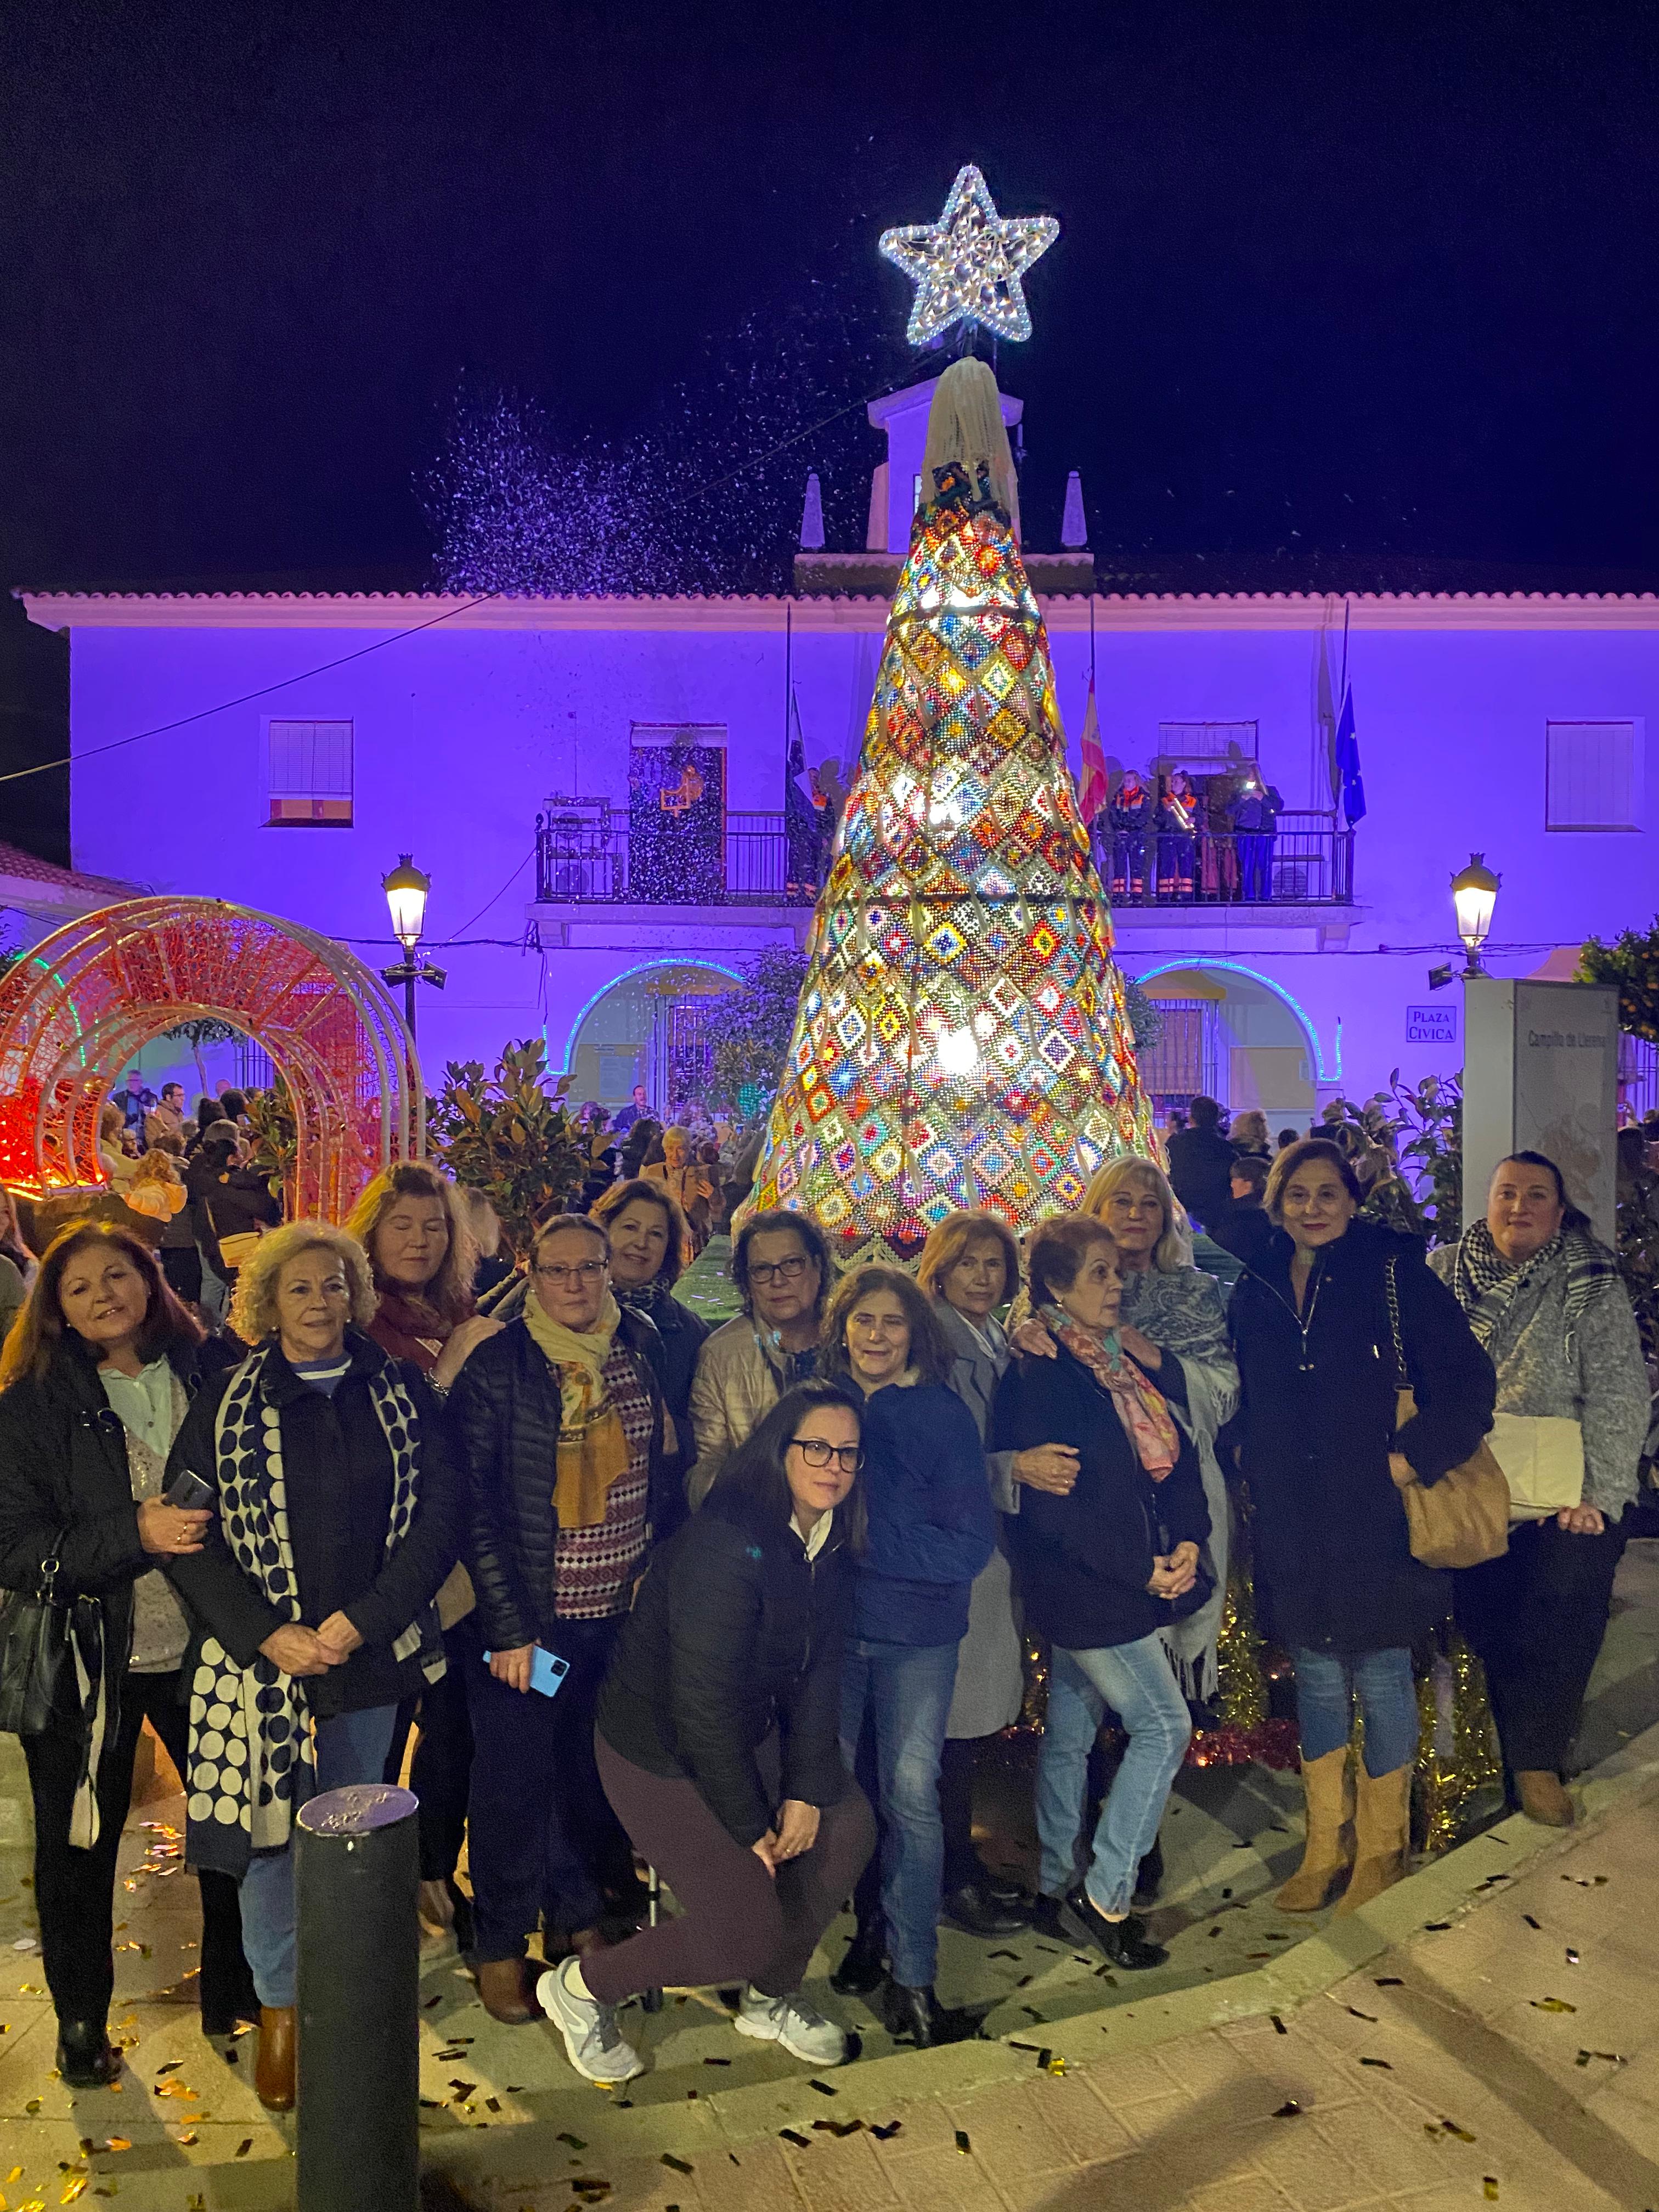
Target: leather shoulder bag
pixel 34 1649
pixel 1462 1520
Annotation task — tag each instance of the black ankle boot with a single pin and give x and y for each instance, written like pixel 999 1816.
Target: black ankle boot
pixel 917 2015
pixel 861 1970
pixel 1123 1942
pixel 1149 1876
pixel 229 1999
pixel 975 1909
pixel 85 2059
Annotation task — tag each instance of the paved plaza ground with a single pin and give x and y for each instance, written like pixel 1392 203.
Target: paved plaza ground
pixel 1492 2024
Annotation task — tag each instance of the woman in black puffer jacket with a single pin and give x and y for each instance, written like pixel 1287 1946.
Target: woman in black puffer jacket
pixel 1312 1330
pixel 718 1742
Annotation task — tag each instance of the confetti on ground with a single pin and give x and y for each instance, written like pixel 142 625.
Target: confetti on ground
pixel 823 2088
pixel 1582 1881
pixel 1572 1957
pixel 837 2128
pixel 962 2143
pixel 1388 1982
pixel 799 2141
pixel 26 1943
pixel 1358 2014
pixel 1552 2004
pixel 1489 2187
pixel 1611 2057
pixel 1531 1923
pixel 1451 2127
pixel 1290 2110
pixel 1280 2027
pixel 574 2141
pixel 886 2133
pixel 1382 2062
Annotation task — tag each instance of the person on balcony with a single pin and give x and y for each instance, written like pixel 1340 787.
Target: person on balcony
pixel 1178 821
pixel 1256 821
pixel 1217 847
pixel 1131 815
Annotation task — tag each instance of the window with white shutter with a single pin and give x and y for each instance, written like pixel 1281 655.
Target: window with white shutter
pixel 308 775
pixel 1592 775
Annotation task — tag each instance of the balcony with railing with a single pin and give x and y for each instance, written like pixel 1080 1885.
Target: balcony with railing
pixel 584 857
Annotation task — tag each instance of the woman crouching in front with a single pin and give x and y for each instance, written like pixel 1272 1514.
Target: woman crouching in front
pixel 717 1742
pixel 1103 1571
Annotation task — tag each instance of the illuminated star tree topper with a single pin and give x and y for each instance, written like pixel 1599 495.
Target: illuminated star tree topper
pixel 967 266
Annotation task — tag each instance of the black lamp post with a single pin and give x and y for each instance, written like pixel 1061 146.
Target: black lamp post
pixel 406 889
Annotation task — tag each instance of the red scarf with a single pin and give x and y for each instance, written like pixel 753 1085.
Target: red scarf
pixel 1147 1421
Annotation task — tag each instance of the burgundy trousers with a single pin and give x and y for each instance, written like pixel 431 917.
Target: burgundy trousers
pixel 736 1923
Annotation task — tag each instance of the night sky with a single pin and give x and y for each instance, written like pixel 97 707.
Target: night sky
pixel 1345 295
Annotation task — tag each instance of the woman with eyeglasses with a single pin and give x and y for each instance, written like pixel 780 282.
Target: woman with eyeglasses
pixel 561 1424
pixel 717 1744
pixel 781 1266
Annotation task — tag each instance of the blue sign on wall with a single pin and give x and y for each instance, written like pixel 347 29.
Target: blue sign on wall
pixel 1431 1024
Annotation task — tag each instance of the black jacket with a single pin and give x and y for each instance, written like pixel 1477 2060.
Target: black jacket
pixel 1083 1561
pixel 506 1415
pixel 337 1471
pixel 1201 1173
pixel 63 1467
pixel 1317 1423
pixel 734 1634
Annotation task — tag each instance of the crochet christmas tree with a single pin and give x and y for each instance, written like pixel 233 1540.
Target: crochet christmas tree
pixel 961 1039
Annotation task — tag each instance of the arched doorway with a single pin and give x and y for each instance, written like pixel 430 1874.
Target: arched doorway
pixel 1233 1034
pixel 656 1025
pixel 74 1008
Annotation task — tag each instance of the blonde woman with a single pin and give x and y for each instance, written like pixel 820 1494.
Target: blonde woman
pixel 969 1267
pixel 335 1517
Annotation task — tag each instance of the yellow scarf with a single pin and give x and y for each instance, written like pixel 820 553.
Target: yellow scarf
pixel 592 1447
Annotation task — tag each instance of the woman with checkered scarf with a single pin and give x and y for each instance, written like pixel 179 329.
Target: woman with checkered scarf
pixel 336 1516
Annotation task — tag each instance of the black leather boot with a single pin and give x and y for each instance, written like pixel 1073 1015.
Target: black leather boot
pixel 85 2057
pixel 861 1970
pixel 1123 1942
pixel 1149 1876
pixel 917 2016
pixel 975 1908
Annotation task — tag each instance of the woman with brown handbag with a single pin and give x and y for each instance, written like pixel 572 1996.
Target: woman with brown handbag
pixel 1336 1579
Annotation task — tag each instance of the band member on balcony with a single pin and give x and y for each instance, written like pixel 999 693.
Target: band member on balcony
pixel 1131 814
pixel 1255 818
pixel 1177 845
pixel 1218 851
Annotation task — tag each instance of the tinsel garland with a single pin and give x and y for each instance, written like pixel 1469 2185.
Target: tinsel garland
pixel 1457 1746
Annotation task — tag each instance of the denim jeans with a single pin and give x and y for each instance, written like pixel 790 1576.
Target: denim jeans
pixel 1137 1681
pixel 351 1747
pixel 895 1699
pixel 1327 1683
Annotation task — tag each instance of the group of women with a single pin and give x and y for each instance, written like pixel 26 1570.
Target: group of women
pixel 747 1605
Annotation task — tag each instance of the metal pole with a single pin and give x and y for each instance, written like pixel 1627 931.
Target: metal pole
pixel 357 1878
pixel 408 993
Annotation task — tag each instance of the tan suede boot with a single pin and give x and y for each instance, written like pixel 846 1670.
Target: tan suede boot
pixel 273 2072
pixel 1328 1787
pixel 1382 1835
pixel 1543 1799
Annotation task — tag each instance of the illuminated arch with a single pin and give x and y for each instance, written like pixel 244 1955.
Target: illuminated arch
pixel 76 1008
pixel 1304 1021
pixel 641 968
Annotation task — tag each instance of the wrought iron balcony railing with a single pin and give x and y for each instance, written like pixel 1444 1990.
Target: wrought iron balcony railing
pixel 584 857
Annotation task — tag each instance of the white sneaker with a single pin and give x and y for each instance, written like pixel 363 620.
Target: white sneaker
pixel 792 2023
pixel 593 2041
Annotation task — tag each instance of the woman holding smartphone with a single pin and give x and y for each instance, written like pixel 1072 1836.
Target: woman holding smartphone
pixel 96 1379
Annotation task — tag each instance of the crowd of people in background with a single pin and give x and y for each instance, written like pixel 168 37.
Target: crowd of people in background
pixel 747 1605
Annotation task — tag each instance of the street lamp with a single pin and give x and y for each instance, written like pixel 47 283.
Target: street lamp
pixel 406 890
pixel 1475 893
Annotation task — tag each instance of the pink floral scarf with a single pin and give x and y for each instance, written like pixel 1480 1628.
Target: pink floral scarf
pixel 1146 1419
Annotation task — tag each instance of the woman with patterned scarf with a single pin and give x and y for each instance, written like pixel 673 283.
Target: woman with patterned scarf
pixel 1545 1299
pixel 561 1424
pixel 1103 1571
pixel 336 1516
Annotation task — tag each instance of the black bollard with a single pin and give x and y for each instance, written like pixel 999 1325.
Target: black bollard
pixel 356 1884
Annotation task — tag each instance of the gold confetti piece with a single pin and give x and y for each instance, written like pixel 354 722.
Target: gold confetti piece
pixel 32 2105
pixel 16 2174
pixel 76 2189
pixel 1537 1925
pixel 492 2104
pixel 187 2141
pixel 679 2164
pixel 1489 2187
pixel 962 2143
pixel 245 2147
pixel 1370 2017
pixel 1552 2004
pixel 823 2088
pixel 175 2089
pixel 28 1989
pixel 799 2141
pixel 118 2143
pixel 172 2066
pixel 1290 2110
pixel 1452 2128
pixel 1382 2062
pixel 1055 2066
pixel 1572 1957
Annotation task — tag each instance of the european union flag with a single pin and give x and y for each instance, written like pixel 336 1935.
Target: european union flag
pixel 1347 749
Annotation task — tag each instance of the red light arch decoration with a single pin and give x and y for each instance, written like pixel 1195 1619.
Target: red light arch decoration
pixel 76 1007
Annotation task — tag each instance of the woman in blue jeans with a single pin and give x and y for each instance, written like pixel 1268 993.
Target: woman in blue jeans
pixel 1103 1569
pixel 932 1529
pixel 1335 1579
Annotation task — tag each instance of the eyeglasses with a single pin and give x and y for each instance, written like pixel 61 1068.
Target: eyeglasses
pixel 779 1271
pixel 816 1453
pixel 585 1271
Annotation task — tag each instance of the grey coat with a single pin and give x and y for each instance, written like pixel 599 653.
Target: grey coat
pixel 990 1664
pixel 1593 1374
